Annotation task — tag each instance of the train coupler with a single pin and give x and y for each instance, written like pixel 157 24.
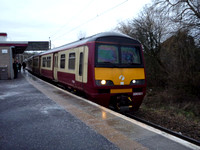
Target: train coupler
pixel 121 103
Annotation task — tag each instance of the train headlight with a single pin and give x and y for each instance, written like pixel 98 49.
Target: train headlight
pixel 137 82
pixel 104 82
pixel 133 81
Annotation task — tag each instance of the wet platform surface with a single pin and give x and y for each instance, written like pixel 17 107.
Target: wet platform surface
pixel 37 115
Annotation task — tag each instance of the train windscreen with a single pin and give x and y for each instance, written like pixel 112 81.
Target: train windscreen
pixel 108 55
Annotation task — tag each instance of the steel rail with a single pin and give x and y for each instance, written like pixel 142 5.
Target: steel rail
pixel 176 134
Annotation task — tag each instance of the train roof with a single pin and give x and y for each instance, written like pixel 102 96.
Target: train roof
pixel 89 39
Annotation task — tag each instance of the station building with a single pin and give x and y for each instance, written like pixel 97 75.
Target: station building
pixel 13 50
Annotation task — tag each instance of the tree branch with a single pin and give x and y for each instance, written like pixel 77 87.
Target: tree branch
pixel 193 9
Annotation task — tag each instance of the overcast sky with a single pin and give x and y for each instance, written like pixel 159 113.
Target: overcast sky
pixel 63 20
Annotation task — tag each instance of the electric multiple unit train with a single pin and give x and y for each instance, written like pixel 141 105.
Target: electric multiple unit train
pixel 107 67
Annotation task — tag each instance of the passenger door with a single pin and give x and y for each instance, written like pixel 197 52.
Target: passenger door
pixel 82 65
pixel 55 65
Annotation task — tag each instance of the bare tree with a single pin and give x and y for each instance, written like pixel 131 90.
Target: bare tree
pixel 150 28
pixel 168 30
pixel 186 13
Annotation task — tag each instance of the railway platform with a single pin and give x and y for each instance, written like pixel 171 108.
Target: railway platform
pixel 37 115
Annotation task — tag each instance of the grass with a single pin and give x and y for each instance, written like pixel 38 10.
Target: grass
pixel 172 110
pixel 172 102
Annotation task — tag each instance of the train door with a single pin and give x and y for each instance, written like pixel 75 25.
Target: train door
pixel 40 65
pixel 82 65
pixel 55 65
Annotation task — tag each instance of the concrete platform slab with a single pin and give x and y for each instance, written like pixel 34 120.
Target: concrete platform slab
pixel 43 103
pixel 30 120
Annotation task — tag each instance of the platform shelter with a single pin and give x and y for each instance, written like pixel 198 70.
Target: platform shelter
pixel 10 49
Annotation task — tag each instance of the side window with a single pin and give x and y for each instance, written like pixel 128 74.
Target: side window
pixel 43 62
pixel 81 64
pixel 62 61
pixel 72 57
pixel 49 62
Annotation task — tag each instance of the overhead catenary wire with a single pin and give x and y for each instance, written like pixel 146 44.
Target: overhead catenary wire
pixel 71 19
pixel 91 19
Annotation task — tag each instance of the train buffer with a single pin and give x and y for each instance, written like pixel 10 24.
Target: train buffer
pixel 37 115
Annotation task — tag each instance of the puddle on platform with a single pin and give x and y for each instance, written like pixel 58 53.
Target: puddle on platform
pixel 9 94
pixel 46 109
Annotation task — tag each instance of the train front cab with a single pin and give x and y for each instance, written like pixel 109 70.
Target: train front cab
pixel 119 73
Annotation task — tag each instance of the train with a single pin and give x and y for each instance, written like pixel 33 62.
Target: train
pixel 107 67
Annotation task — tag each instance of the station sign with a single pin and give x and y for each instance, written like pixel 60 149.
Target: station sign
pixel 4 51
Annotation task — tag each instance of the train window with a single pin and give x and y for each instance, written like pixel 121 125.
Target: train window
pixel 130 55
pixel 81 64
pixel 44 62
pixel 72 57
pixel 108 54
pixel 62 61
pixel 49 61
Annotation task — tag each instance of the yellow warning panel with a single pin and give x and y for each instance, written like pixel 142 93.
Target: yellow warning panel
pixel 120 90
pixel 119 76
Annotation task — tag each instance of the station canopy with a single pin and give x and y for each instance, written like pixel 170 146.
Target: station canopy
pixel 18 47
pixel 38 46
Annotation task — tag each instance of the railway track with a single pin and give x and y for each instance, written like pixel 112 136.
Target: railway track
pixel 176 134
